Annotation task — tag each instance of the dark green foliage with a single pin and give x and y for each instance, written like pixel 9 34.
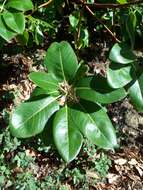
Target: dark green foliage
pixel 12 18
pixel 77 115
pixel 129 76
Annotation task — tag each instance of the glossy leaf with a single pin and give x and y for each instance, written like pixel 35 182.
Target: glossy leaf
pixel 84 38
pixel 121 53
pixel 67 137
pixel 47 134
pixel 118 75
pixel 96 89
pixel 45 81
pixel 15 21
pixel 19 5
pixel 94 123
pixel 74 19
pixel 136 93
pixel 30 118
pixel 61 61
pixel 131 22
pixel 5 33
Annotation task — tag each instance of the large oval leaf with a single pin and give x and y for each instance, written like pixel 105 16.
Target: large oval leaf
pixel 25 5
pixel 5 33
pixel 30 118
pixel 94 123
pixel 136 93
pixel 118 75
pixel 96 89
pixel 45 81
pixel 121 53
pixel 67 137
pixel 61 61
pixel 15 21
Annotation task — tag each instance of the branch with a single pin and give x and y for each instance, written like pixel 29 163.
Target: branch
pixel 99 20
pixel 45 4
pixel 113 6
pixel 40 6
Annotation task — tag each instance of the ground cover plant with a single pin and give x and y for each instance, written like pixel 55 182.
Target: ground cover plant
pixel 69 71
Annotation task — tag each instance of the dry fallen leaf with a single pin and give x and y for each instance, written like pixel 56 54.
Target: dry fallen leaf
pixel 30 152
pixel 120 161
pixel 112 178
pixel 140 171
pixel 92 175
pixel 133 162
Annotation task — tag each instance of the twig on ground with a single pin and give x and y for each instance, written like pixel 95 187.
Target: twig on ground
pixel 45 4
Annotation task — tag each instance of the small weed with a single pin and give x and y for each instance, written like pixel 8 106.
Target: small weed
pixel 9 143
pixel 102 165
pixel 18 170
pixel 89 148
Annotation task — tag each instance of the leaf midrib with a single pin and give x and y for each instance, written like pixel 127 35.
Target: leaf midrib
pixel 61 63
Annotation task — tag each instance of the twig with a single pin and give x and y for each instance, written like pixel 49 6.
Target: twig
pixel 2 7
pixel 40 6
pixel 100 21
pixel 113 5
pixel 45 4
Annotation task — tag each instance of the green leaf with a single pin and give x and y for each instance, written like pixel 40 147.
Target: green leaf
pixel 38 93
pixel 19 5
pixel 96 89
pixel 122 1
pixel 67 137
pixel 121 53
pixel 119 75
pixel 61 61
pixel 74 19
pixel 5 32
pixel 45 81
pixel 94 123
pixel 84 38
pixel 47 134
pixel 15 21
pixel 131 22
pixel 30 118
pixel 136 93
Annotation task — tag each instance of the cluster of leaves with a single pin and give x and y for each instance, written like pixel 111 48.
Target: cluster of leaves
pixel 125 22
pixel 126 71
pixel 12 18
pixel 67 105
pixel 16 21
